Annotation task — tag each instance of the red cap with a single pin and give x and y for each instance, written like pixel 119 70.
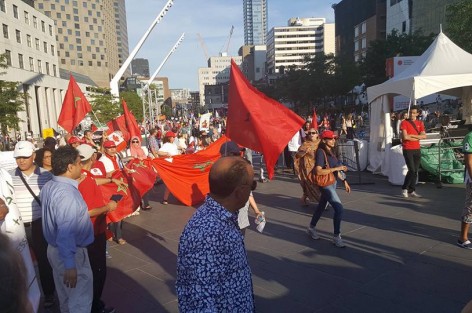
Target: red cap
pixel 328 134
pixel 170 134
pixel 73 140
pixel 109 144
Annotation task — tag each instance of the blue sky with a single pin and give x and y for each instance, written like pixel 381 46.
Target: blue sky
pixel 212 19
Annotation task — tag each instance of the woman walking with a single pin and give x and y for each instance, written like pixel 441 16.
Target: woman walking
pixel 326 163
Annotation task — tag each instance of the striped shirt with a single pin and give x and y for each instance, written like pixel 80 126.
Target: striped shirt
pixel 29 208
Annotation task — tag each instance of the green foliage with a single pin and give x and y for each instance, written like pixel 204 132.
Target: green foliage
pixel 135 104
pixel 105 108
pixel 372 67
pixel 11 102
pixel 459 24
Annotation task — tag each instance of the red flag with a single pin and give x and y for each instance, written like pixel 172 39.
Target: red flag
pixel 93 128
pixel 131 124
pixel 119 124
pixel 74 107
pixel 314 120
pixel 257 121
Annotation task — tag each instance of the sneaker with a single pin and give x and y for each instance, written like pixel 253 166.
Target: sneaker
pixel 404 193
pixel 263 180
pixel 338 242
pixel 465 244
pixel 312 232
pixel 414 194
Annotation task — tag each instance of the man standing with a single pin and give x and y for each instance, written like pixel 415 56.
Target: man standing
pixel 153 142
pixel 213 273
pixel 466 219
pixel 412 132
pixel 68 231
pixel 28 180
pixel 97 209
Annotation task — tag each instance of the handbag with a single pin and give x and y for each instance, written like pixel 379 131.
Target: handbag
pixel 327 179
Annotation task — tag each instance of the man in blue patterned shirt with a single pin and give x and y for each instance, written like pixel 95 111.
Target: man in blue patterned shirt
pixel 213 273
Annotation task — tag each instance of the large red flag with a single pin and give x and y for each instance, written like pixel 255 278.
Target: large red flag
pixel 131 124
pixel 74 107
pixel 257 121
pixel 314 120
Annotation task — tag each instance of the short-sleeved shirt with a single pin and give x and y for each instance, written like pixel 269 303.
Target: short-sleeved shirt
pixel 93 197
pixel 29 208
pixel 467 149
pixel 110 165
pixel 406 126
pixel 321 161
pixel 98 170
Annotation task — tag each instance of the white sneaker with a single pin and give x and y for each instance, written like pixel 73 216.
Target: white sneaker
pixel 404 193
pixel 414 194
pixel 312 232
pixel 338 242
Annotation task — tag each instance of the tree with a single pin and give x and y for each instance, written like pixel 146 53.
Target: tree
pixel 11 101
pixel 459 24
pixel 372 67
pixel 105 108
pixel 135 104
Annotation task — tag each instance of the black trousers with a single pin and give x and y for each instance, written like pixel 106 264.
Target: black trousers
pixel 412 160
pixel 35 237
pixel 98 263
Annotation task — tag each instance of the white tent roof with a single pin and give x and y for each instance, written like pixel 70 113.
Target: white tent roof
pixel 443 66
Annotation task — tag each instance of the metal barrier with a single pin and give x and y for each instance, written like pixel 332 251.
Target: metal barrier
pixel 351 160
pixel 458 156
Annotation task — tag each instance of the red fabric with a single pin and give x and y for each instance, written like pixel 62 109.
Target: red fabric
pixel 119 124
pixel 93 196
pixel 74 107
pixel 131 124
pixel 187 175
pixel 408 128
pixel 98 170
pixel 257 121
pixel 93 128
pixel 314 120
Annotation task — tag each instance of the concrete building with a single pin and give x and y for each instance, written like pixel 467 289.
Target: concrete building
pixel 216 73
pixel 28 38
pixel 428 15
pixel 140 67
pixel 358 22
pixel 254 61
pixel 255 22
pixel 180 96
pixel 89 37
pixel 398 17
pixel 289 45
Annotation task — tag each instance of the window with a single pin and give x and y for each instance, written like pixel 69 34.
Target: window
pixel 8 57
pixel 84 4
pixel 99 63
pixel 31 64
pixel 77 26
pixel 72 62
pixel 45 46
pixel 2 5
pixel 63 61
pixel 81 63
pixel 50 30
pixel 54 69
pixel 71 47
pixel 40 6
pixel 90 63
pixel 47 68
pixel 43 26
pixel 64 23
pixel 37 43
pixel 75 11
pixel 28 40
pixel 79 55
pixel 78 40
pixel 76 18
pixel 67 54
pixel 79 48
pixel 404 27
pixel 18 36
pixel 15 11
pixel 5 31
pixel 58 15
pixel 52 50
pixel 20 61
pixel 68 16
pixel 89 49
pixel 26 17
pixel 40 67
pixel 35 21
pixel 85 18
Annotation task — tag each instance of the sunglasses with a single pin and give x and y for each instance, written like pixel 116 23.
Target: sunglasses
pixel 135 141
pixel 312 133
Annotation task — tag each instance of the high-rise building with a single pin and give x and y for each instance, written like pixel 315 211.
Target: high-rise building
pixel 255 22
pixel 303 37
pixel 254 61
pixel 91 35
pixel 429 15
pixel 140 67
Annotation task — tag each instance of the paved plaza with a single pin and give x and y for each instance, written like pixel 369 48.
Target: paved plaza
pixel 401 254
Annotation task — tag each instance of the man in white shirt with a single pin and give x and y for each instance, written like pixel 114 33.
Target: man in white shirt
pixel 293 146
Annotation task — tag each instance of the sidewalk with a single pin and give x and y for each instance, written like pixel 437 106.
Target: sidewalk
pixel 401 254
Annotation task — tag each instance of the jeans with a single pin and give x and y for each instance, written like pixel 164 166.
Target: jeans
pixel 328 194
pixel 412 160
pixel 115 228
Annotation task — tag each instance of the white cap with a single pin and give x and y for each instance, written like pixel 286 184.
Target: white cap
pixel 86 151
pixel 23 149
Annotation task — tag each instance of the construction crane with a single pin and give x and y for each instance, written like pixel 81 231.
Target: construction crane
pixel 229 38
pixel 203 45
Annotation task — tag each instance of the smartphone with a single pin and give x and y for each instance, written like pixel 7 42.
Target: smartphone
pixel 116 197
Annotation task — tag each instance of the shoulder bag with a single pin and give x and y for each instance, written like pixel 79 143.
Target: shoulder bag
pixel 327 179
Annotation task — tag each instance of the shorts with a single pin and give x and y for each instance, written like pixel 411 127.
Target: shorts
pixel 467 211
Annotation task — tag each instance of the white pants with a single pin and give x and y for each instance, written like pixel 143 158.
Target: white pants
pixel 78 299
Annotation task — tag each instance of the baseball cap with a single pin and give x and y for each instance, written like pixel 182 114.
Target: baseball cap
pixel 328 134
pixel 85 151
pixel 170 134
pixel 23 149
pixel 74 139
pixel 109 144
pixel 229 148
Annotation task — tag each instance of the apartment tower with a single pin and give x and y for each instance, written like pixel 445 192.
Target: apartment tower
pixel 255 22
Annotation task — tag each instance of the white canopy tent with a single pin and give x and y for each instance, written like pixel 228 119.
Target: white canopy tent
pixel 444 67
